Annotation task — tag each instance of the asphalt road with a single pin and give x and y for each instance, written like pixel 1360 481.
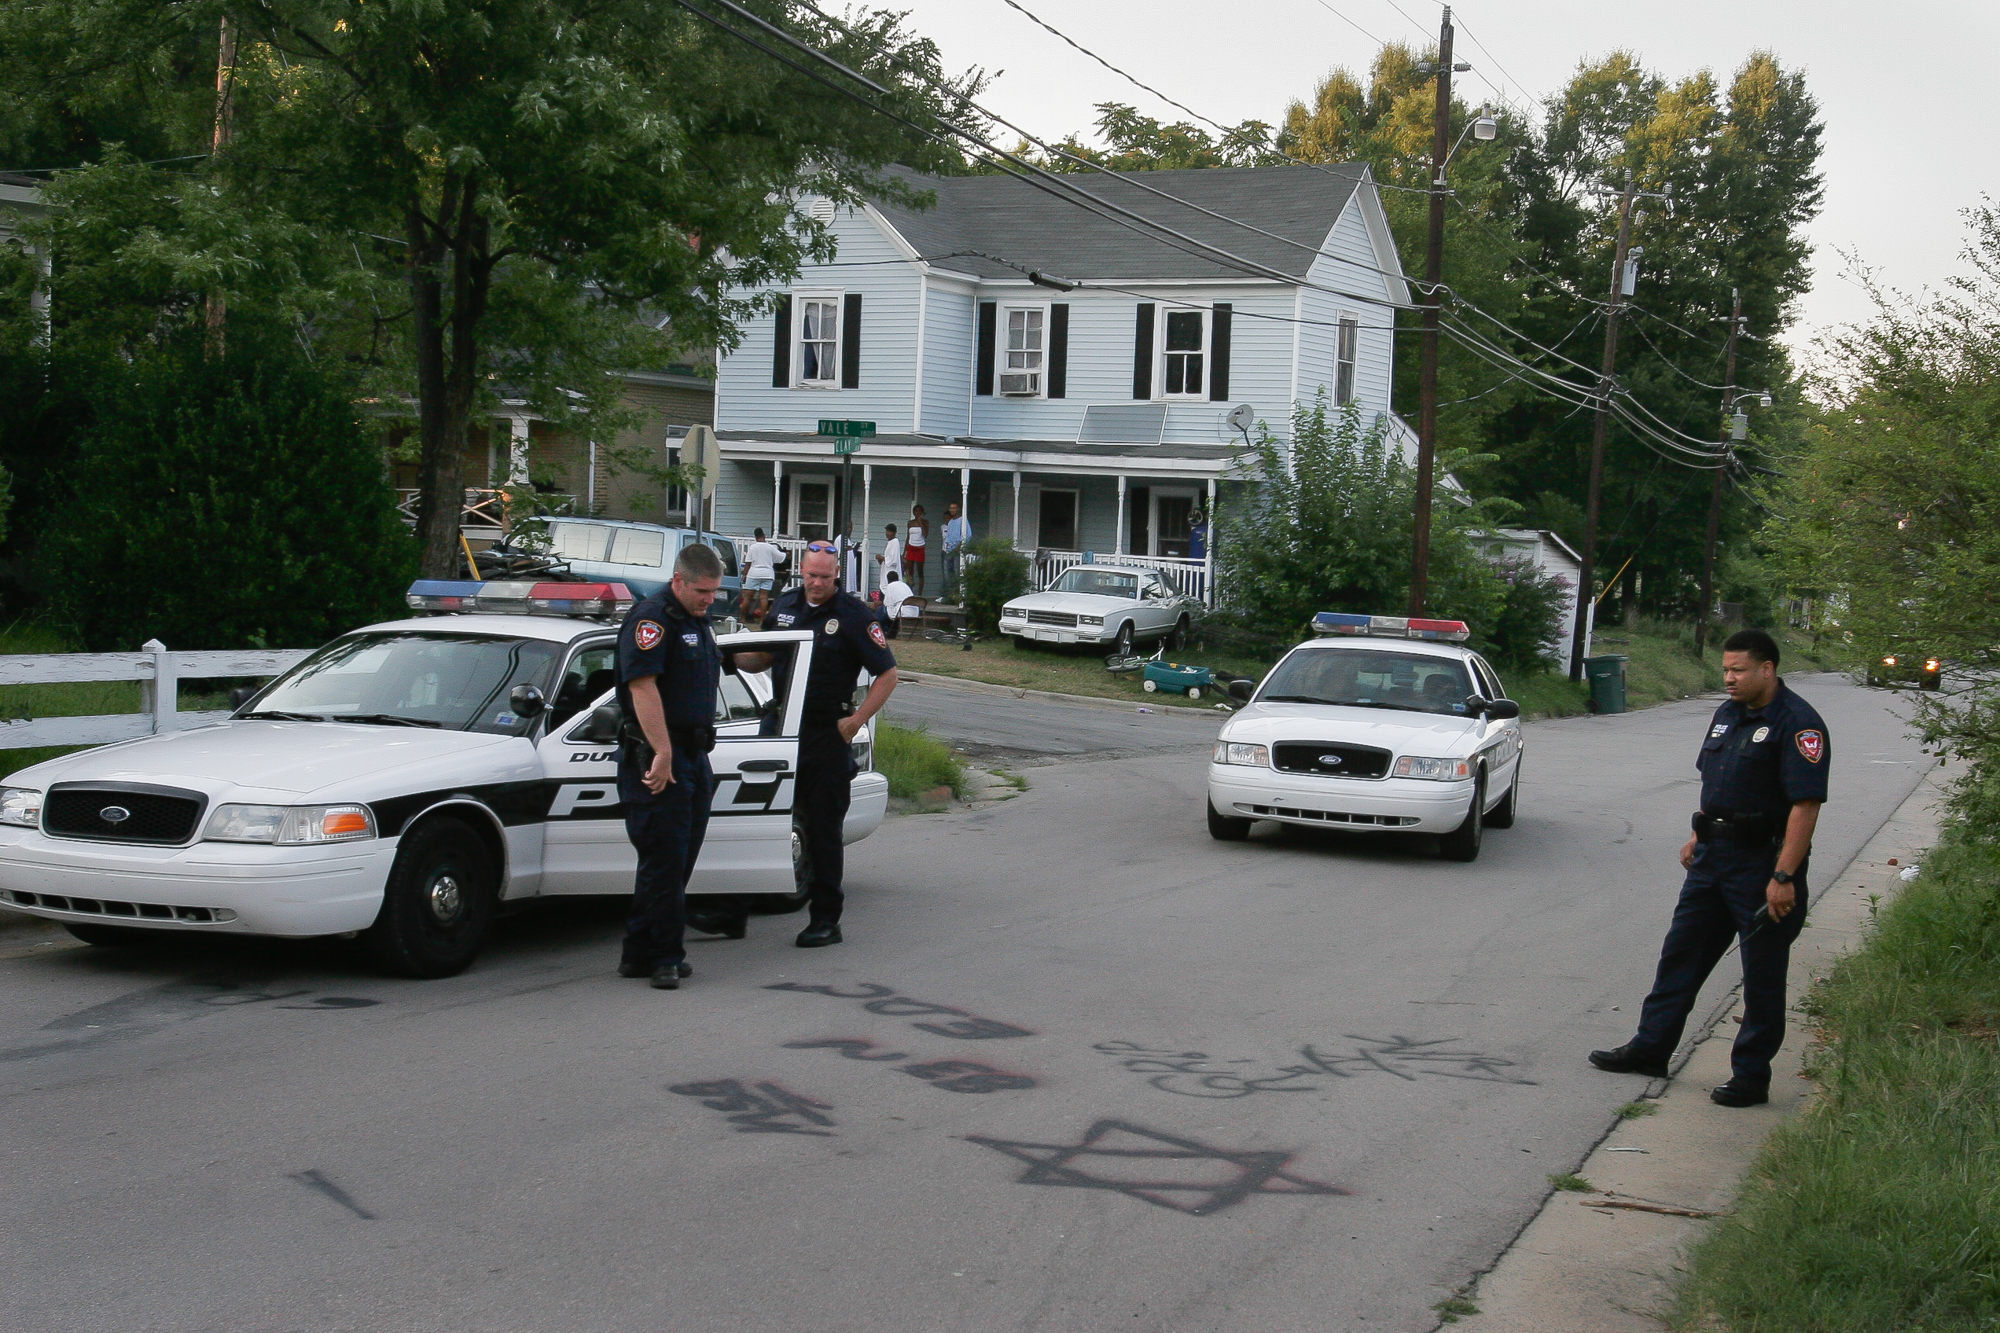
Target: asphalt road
pixel 1306 1082
pixel 1002 727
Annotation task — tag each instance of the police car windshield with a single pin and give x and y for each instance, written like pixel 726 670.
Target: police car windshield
pixel 1358 677
pixel 1097 583
pixel 458 682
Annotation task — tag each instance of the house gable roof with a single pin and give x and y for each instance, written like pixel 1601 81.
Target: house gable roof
pixel 1009 218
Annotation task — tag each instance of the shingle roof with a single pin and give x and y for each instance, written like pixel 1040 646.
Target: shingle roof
pixel 1003 216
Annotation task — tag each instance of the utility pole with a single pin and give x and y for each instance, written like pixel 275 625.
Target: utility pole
pixel 1586 592
pixel 1427 390
pixel 225 117
pixel 1721 471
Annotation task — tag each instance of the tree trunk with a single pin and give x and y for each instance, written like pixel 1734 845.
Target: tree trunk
pixel 447 376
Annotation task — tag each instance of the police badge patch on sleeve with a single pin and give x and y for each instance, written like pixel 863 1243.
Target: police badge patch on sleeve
pixel 647 635
pixel 1812 744
pixel 875 633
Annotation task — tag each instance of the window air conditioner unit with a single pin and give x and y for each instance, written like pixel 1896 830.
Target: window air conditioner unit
pixel 1021 384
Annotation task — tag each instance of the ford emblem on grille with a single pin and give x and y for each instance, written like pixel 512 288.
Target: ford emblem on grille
pixel 1330 760
pixel 114 814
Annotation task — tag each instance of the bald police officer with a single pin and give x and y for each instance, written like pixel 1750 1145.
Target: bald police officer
pixel 846 639
pixel 668 666
pixel 1764 766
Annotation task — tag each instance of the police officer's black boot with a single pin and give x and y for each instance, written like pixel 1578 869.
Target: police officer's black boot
pixel 667 976
pixel 1630 1059
pixel 1736 1092
pixel 819 934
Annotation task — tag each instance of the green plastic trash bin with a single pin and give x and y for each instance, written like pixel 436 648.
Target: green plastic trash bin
pixel 1606 675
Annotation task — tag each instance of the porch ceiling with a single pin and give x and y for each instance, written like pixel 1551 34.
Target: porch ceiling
pixel 1104 460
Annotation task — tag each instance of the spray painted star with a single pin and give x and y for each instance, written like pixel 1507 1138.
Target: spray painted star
pixel 1141 1163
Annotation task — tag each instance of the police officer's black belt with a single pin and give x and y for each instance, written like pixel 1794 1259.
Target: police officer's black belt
pixel 699 740
pixel 1751 828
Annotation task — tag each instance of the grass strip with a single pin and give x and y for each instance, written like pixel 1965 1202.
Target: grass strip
pixel 915 761
pixel 1879 1209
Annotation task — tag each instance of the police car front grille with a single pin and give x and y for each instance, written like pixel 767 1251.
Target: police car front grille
pixel 1330 816
pixel 158 816
pixel 141 912
pixel 1063 618
pixel 1329 761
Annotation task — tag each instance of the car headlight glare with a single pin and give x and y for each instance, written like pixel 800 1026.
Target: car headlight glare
pixel 1435 770
pixel 290 825
pixel 20 807
pixel 1236 752
pixel 1090 620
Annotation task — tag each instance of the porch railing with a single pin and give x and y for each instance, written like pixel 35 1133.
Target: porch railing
pixel 1184 574
pixel 484 513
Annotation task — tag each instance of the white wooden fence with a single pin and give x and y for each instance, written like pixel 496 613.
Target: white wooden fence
pixel 159 672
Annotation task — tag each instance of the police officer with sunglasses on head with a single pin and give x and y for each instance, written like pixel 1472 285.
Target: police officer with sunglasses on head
pixel 847 638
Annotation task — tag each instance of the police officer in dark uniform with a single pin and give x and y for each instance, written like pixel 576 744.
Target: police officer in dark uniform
pixel 668 666
pixel 846 638
pixel 1764 766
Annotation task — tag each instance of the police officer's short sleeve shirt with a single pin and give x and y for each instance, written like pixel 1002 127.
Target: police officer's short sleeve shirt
pixel 1764 761
pixel 659 638
pixel 847 638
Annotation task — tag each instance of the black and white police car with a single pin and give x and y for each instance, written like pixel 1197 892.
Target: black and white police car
pixel 405 783
pixel 1381 723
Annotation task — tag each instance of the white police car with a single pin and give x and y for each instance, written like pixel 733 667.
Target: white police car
pixel 406 782
pixel 1382 723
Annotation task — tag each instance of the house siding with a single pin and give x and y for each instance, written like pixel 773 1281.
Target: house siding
pixel 887 392
pixel 951 317
pixel 1348 266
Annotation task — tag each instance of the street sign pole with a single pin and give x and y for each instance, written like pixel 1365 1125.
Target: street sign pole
pixel 847 438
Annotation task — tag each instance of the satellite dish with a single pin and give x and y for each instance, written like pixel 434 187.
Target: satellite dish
pixel 1242 417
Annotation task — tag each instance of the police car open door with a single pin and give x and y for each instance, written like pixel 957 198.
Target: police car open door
pixel 755 761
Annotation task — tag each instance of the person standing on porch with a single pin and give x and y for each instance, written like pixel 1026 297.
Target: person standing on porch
pixel 917 540
pixel 760 577
pixel 891 558
pixel 957 536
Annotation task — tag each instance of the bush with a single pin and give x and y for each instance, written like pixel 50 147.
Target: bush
pixel 224 502
pixel 995 574
pixel 1528 630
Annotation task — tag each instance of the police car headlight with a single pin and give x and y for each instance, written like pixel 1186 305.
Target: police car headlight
pixel 1235 752
pixel 1090 620
pixel 20 807
pixel 1436 770
pixel 290 825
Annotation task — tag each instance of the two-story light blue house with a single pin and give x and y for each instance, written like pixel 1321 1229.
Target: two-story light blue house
pixel 1079 411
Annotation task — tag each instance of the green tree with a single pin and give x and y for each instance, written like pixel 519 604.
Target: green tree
pixel 1141 143
pixel 219 501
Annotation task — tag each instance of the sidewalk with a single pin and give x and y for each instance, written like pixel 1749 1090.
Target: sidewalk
pixel 1603 1261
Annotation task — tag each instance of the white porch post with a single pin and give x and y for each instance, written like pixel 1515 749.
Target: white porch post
pixel 590 486
pixel 517 452
pixel 1017 506
pixel 777 492
pixel 1118 537
pixel 1208 549
pixel 867 524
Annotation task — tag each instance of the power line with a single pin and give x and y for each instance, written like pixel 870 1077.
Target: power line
pixel 1344 19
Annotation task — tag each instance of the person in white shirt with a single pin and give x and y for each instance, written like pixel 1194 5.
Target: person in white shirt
pixel 891 558
pixel 915 547
pixel 760 576
pixel 895 592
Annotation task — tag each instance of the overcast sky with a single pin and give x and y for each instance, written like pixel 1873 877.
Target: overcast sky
pixel 1910 133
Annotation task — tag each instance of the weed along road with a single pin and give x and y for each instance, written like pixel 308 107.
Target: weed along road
pixel 1078 1067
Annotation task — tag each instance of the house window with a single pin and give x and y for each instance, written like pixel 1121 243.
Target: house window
pixel 819 342
pixel 1185 348
pixel 1021 373
pixel 1343 360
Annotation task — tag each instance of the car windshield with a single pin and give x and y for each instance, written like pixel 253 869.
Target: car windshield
pixel 456 682
pixel 1359 677
pixel 1098 583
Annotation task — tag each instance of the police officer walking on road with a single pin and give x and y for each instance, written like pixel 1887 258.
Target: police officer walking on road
pixel 846 638
pixel 1764 767
pixel 668 666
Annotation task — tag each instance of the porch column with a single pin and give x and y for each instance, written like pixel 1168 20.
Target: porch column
pixel 590 484
pixel 965 495
pixel 517 452
pixel 1118 534
pixel 1017 506
pixel 867 525
pixel 1208 548
pixel 777 492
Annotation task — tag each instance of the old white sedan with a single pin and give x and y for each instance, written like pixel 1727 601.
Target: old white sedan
pixel 1103 605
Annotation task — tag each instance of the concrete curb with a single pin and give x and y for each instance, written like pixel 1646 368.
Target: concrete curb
pixel 1604 1261
pixel 1050 696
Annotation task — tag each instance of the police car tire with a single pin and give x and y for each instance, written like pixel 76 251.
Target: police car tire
pixel 1502 815
pixel 113 937
pixel 429 927
pixel 1226 828
pixel 1462 843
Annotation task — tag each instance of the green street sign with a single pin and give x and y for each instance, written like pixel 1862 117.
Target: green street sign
pixel 847 429
pixel 841 448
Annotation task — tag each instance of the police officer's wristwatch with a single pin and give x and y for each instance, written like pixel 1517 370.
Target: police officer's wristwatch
pixel 1782 876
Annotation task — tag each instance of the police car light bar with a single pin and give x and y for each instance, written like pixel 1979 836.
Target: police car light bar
pixel 1392 627
pixel 510 598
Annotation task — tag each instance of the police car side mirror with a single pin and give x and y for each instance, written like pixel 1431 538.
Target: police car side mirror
pixel 1502 709
pixel 1242 689
pixel 526 701
pixel 604 724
